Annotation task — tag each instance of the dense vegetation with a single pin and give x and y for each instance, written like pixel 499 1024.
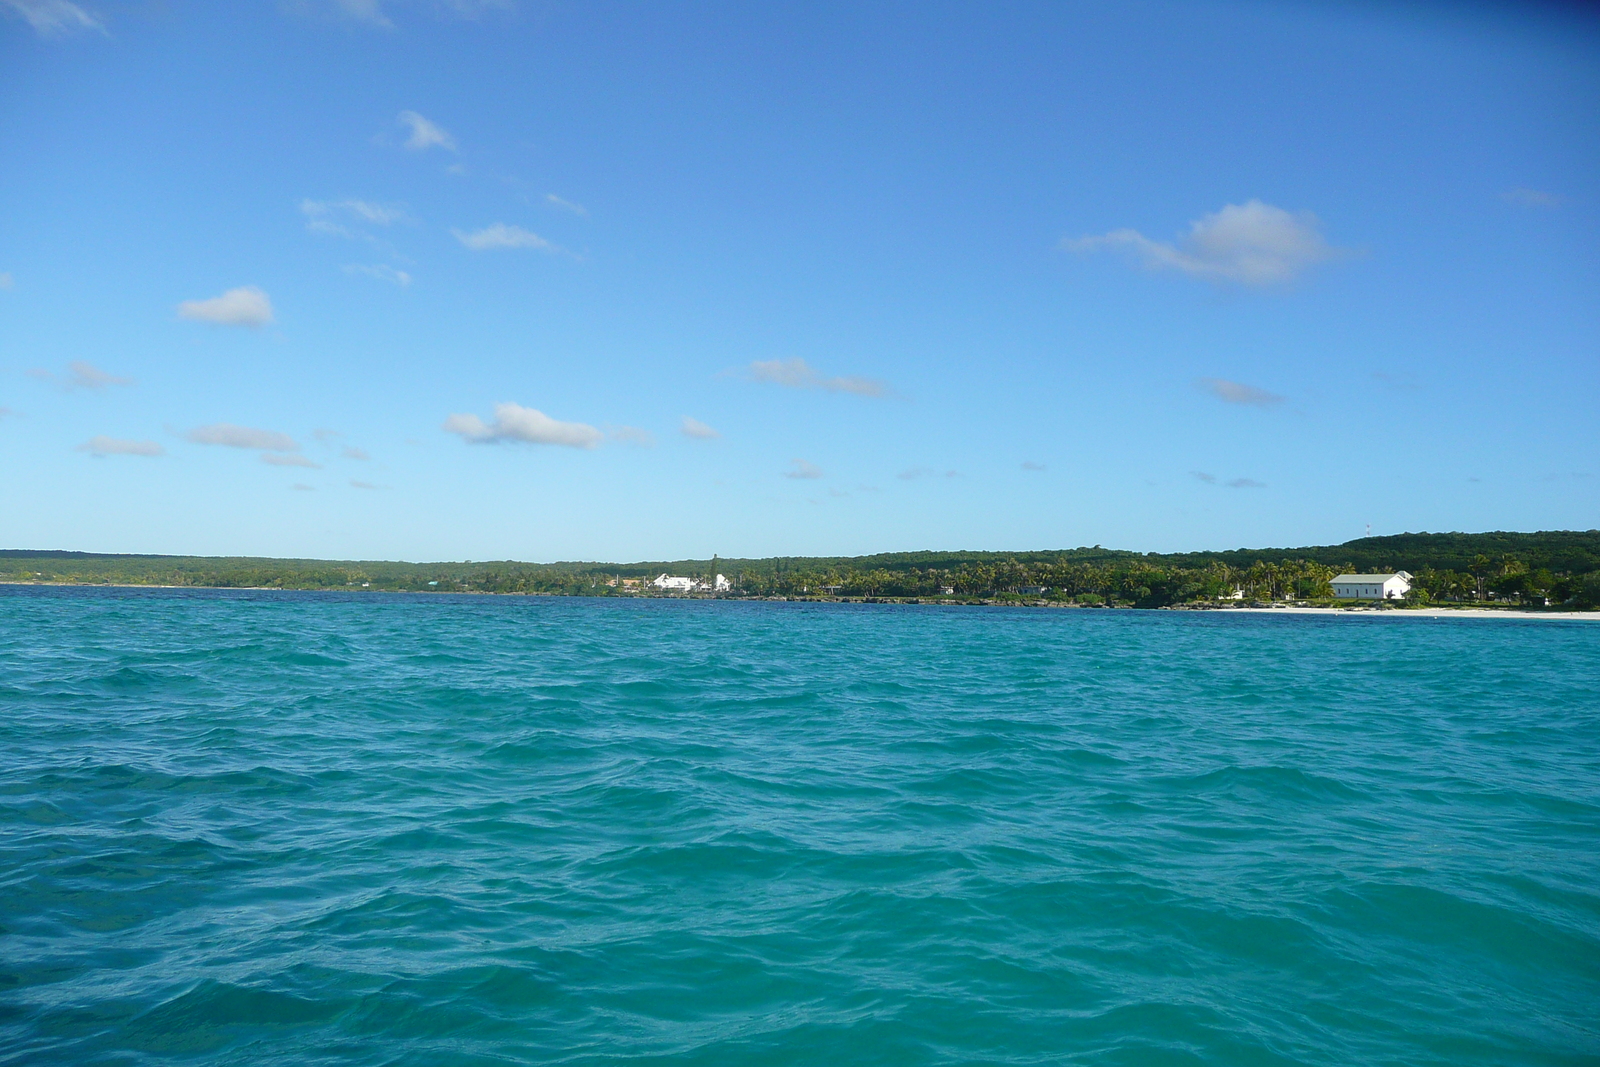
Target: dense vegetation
pixel 1558 567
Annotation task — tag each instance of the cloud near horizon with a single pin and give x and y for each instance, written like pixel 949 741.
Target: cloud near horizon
pixel 318 214
pixel 565 205
pixel 1532 198
pixel 1238 392
pixel 1232 483
pixel 381 271
pixel 803 470
pixel 231 436
pixel 80 375
pixel 247 305
pixel 633 435
pixel 499 235
pixel 425 134
pixel 291 460
pixel 692 427
pixel 796 373
pixel 1251 243
pixel 513 422
pixel 101 445
pixel 53 18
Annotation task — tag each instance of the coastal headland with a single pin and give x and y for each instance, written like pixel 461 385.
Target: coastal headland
pixel 1548 573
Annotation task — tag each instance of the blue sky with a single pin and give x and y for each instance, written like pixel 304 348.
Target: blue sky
pixel 435 280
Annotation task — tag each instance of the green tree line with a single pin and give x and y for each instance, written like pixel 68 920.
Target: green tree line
pixel 1557 567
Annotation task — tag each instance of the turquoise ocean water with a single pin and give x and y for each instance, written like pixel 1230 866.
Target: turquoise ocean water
pixel 278 828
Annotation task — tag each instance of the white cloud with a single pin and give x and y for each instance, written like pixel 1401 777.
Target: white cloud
pixel 54 17
pixel 803 470
pixel 288 461
pixel 116 446
pixel 80 375
pixel 634 435
pixel 88 376
pixel 565 205
pixel 695 428
pixel 1532 198
pixel 370 11
pixel 354 484
pixel 244 306
pixel 1251 243
pixel 322 215
pixel 303 487
pixel 226 433
pixel 513 422
pixel 425 134
pixel 1030 465
pixel 797 374
pixel 911 474
pixel 6 281
pixel 500 235
pixel 1209 479
pixel 1246 483
pixel 352 452
pixel 1238 392
pixel 381 271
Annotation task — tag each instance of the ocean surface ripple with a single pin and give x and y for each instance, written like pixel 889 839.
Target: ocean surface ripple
pixel 285 828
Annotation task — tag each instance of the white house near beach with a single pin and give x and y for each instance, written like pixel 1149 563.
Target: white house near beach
pixel 1372 586
pixel 670 583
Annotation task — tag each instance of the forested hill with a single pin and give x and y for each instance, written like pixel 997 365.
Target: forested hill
pixel 1561 551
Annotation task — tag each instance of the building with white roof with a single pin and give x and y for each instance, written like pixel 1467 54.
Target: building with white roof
pixel 1391 586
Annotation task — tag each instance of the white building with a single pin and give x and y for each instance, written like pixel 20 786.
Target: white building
pixel 1372 586
pixel 669 583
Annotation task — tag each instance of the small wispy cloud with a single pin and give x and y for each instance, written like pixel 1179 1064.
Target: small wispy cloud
pixel 247 305
pixel 302 487
pixel 798 374
pixel 381 271
pixel 80 375
pixel 565 205
pixel 513 422
pixel 499 235
pixel 54 18
pixel 321 213
pixel 1030 465
pixel 633 435
pixel 6 280
pixel 368 11
pixel 1238 392
pixel 1251 243
pixel 692 427
pixel 802 470
pixel 291 460
pixel 357 484
pixel 352 452
pixel 911 474
pixel 1532 198
pixel 101 445
pixel 1232 483
pixel 231 436
pixel 425 134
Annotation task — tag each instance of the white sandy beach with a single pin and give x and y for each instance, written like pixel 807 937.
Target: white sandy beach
pixel 1424 613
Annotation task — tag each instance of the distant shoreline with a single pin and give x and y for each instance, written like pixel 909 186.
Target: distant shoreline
pixel 928 602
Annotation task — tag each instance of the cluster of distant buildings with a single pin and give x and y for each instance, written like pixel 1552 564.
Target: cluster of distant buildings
pixel 671 583
pixel 1392 586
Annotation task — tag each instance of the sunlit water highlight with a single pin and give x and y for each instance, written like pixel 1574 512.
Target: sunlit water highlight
pixel 277 828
